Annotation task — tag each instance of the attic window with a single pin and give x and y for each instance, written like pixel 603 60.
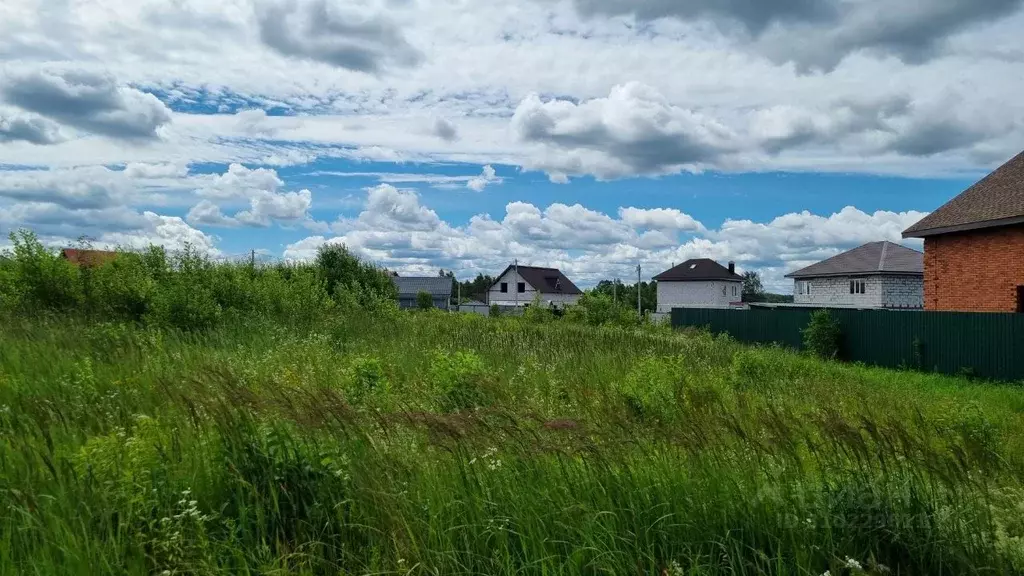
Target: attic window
pixel 692 266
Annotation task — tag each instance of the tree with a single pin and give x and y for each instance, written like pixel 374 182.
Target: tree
pixel 341 270
pixel 424 301
pixel 752 285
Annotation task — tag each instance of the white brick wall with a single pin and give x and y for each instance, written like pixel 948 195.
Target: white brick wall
pixel 879 292
pixel 698 294
pixel 495 296
pixel 903 292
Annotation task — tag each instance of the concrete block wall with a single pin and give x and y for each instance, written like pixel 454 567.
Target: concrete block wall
pixel 835 291
pixel 879 292
pixel 707 294
pixel 903 292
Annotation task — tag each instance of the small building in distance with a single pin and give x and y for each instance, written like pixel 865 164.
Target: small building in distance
pixel 875 275
pixel 974 246
pixel 699 283
pixel 519 285
pixel 409 288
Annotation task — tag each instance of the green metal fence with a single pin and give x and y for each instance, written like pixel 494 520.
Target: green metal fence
pixel 987 345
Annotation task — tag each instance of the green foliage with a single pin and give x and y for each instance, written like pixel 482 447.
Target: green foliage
pixel 38 278
pixel 495 311
pixel 459 380
pixel 424 301
pixel 302 432
pixel 752 285
pixel 343 271
pixel 650 387
pixel 624 295
pixel 367 378
pixel 597 309
pixel 538 312
pixel 184 290
pixel 822 336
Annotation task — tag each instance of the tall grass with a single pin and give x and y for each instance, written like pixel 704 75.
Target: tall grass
pixel 437 444
pixel 283 437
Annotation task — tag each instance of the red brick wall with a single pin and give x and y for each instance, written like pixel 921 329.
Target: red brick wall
pixel 974 271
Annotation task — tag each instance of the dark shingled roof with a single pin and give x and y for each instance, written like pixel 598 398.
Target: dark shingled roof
pixel 436 286
pixel 873 258
pixel 697 270
pixel 997 200
pixel 545 280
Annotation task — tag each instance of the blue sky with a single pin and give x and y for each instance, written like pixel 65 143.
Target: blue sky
pixel 591 135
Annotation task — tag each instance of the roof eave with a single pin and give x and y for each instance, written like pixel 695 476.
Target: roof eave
pixel 658 279
pixel 797 276
pixel 924 233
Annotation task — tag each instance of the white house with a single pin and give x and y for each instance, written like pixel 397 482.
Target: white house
pixel 518 285
pixel 700 283
pixel 875 275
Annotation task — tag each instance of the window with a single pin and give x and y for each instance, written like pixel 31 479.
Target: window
pixel 504 287
pixel 724 292
pixel 808 286
pixel 522 287
pixel 733 289
pixel 857 287
pixel 1020 299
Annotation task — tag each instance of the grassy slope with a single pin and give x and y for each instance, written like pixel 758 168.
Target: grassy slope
pixel 430 444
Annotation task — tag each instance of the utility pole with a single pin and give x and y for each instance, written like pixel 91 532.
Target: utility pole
pixel 515 266
pixel 615 290
pixel 639 309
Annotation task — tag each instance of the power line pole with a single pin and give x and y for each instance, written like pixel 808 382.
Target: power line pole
pixel 515 265
pixel 639 309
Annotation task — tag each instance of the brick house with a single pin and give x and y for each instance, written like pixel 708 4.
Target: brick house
pixel 974 246
pixel 875 275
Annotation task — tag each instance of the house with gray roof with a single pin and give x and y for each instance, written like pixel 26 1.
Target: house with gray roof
pixel 409 288
pixel 875 275
pixel 699 283
pixel 518 286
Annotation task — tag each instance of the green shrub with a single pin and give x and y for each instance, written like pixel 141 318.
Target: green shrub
pixel 650 387
pixel 495 311
pixel 458 380
pixel 599 309
pixel 341 270
pixel 424 301
pixel 367 378
pixel 822 335
pixel 41 278
pixel 121 288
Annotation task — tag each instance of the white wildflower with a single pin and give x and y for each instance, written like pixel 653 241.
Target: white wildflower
pixel 853 564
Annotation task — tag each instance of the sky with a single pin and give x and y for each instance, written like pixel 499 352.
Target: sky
pixel 589 135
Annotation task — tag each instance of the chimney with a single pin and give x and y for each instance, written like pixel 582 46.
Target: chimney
pixel 732 267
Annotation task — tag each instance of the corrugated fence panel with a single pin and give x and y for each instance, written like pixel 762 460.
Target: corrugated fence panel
pixel 987 345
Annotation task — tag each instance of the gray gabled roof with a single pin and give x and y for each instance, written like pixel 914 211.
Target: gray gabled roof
pixel 996 200
pixel 697 270
pixel 869 259
pixel 544 280
pixel 436 286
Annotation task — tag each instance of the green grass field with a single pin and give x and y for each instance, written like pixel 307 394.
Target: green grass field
pixel 423 443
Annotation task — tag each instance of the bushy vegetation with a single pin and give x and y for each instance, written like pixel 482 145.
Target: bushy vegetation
pixel 186 290
pixel 357 440
pixel 823 335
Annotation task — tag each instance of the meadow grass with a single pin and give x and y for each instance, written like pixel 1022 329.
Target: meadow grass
pixel 426 443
